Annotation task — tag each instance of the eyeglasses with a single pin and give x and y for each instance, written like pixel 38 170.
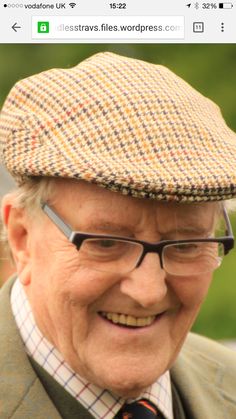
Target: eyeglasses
pixel 120 255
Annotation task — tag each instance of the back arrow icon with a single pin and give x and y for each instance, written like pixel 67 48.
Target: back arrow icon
pixel 15 27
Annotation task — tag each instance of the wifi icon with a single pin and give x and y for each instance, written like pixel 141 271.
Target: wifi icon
pixel 72 5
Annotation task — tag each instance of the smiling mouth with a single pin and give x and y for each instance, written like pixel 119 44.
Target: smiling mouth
pixel 128 320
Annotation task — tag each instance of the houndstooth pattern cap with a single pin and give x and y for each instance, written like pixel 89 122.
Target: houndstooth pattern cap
pixel 123 124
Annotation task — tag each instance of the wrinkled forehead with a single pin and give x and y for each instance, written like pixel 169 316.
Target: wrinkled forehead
pixel 97 206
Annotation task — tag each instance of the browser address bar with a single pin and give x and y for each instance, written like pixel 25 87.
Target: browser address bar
pixel 107 27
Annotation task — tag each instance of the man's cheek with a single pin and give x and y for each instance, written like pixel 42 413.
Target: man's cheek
pixel 84 286
pixel 191 291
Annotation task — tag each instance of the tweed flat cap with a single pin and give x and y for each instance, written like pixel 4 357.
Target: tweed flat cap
pixel 123 124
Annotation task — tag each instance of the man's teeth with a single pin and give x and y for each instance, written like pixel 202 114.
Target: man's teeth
pixel 128 320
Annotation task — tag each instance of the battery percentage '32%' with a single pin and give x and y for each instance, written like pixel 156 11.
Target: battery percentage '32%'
pixel 209 5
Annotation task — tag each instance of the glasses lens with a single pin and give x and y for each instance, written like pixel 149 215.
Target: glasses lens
pixel 110 255
pixel 192 258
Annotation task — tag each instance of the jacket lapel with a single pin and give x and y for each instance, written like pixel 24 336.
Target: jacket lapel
pixel 21 393
pixel 206 385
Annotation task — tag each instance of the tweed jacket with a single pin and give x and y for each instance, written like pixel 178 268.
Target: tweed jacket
pixel 204 376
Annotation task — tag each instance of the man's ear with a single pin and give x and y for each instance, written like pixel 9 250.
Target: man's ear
pixel 17 223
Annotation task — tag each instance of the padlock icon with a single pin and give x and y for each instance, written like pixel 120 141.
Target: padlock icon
pixel 43 27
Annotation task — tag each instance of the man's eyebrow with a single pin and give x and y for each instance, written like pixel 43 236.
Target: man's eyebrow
pixel 191 229
pixel 109 226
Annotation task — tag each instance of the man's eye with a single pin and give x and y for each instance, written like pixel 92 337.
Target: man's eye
pixel 106 243
pixel 188 247
pixel 103 244
pixel 104 248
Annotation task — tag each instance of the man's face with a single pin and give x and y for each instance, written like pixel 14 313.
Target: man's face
pixel 79 309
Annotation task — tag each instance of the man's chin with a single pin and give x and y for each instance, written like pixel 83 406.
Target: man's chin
pixel 125 379
pixel 128 387
pixel 125 385
pixel 127 392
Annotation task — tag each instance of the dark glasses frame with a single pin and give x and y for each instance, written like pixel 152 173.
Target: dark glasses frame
pixel 77 237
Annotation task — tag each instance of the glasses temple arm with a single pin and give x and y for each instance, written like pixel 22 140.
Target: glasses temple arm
pixel 57 220
pixel 229 230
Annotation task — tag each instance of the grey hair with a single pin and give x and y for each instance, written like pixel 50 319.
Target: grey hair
pixel 31 193
pixel 28 196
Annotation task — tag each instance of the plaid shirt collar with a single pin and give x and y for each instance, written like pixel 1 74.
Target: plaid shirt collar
pixel 100 403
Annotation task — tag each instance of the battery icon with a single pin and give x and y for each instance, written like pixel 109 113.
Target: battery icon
pixel 225 5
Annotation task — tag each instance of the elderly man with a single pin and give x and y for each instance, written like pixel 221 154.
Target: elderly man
pixel 122 170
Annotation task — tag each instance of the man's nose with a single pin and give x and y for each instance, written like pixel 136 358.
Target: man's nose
pixel 147 283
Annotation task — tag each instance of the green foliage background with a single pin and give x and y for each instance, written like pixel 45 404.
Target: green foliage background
pixel 211 69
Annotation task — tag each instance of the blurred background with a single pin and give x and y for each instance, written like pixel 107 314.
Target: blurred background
pixel 211 69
